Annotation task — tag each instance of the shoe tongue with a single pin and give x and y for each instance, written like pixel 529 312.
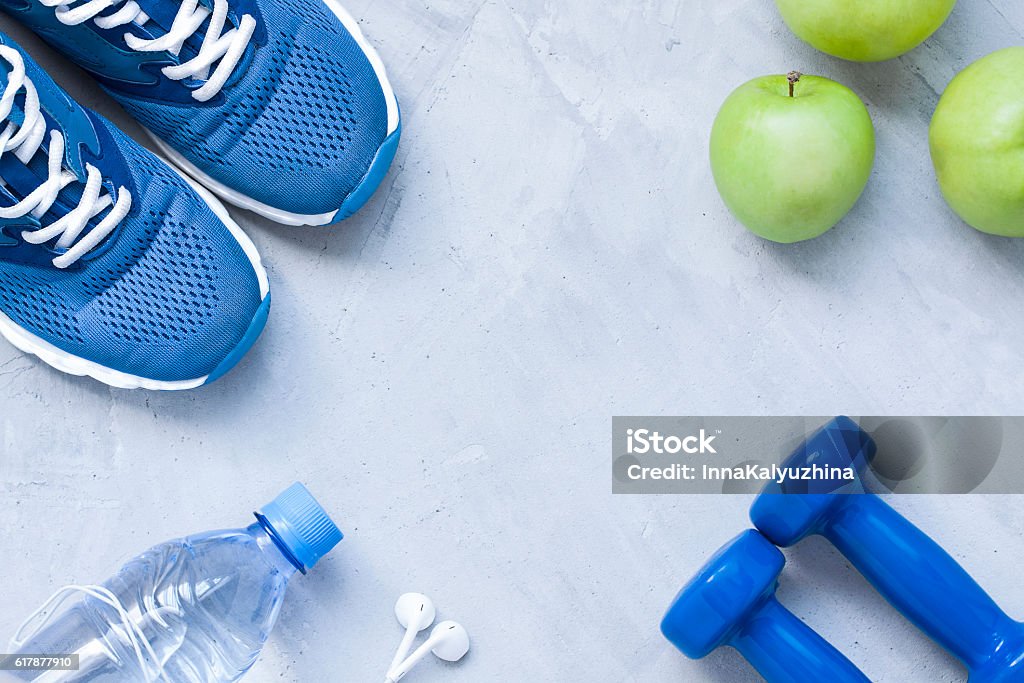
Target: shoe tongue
pixel 160 12
pixel 20 179
pixel 161 15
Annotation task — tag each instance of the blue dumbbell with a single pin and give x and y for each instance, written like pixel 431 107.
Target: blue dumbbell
pixel 732 602
pixel 906 566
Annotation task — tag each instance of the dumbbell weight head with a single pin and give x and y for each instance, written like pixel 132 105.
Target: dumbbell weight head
pixel 732 602
pixel 709 609
pixel 785 519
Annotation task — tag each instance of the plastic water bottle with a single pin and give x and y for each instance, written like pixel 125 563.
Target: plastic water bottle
pixel 193 610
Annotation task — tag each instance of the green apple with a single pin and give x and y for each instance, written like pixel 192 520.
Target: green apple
pixel 791 154
pixel 977 143
pixel 865 30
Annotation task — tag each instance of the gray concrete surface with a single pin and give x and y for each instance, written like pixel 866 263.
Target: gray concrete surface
pixel 548 251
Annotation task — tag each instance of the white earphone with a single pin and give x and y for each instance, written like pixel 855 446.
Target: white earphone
pixel 415 612
pixel 448 640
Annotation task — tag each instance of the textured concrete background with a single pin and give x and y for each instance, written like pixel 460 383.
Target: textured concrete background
pixel 548 251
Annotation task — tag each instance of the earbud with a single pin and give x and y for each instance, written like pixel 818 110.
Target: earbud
pixel 415 612
pixel 448 640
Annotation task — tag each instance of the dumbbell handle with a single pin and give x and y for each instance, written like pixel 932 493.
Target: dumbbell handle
pixel 919 578
pixel 785 650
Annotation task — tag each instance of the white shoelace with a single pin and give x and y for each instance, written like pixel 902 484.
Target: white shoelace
pixel 227 47
pixel 127 629
pixel 25 141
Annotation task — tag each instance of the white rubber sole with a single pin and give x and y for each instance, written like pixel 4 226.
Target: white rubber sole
pixel 279 215
pixel 75 365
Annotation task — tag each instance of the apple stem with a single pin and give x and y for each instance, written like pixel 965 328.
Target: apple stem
pixel 793 77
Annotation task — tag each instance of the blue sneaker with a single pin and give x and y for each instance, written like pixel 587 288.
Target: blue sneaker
pixel 278 106
pixel 111 264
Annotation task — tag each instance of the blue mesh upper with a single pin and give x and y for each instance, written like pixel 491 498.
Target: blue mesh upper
pixel 300 127
pixel 167 297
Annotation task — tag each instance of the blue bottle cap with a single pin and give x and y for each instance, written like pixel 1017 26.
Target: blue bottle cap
pixel 300 525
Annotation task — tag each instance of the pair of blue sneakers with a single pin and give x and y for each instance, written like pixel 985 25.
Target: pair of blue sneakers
pixel 115 265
